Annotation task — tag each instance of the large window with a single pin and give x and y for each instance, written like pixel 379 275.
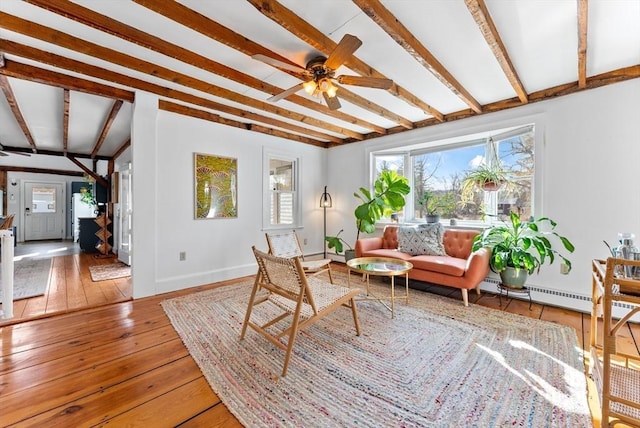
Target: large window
pixel 441 170
pixel 282 190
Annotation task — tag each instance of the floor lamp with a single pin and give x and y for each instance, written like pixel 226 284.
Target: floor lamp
pixel 325 202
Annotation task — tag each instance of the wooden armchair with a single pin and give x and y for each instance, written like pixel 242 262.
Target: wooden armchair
pixel 287 244
pixel 304 299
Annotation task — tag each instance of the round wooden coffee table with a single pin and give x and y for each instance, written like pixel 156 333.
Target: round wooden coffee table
pixel 382 266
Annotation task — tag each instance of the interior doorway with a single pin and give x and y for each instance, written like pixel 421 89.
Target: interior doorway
pixel 124 213
pixel 43 210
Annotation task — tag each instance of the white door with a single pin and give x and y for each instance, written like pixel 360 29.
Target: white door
pixel 125 211
pixel 43 211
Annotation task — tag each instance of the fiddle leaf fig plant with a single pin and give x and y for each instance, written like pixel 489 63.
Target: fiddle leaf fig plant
pixel 336 242
pixel 387 197
pixel 389 192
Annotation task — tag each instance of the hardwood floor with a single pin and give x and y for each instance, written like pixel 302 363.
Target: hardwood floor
pixel 123 364
pixel 70 285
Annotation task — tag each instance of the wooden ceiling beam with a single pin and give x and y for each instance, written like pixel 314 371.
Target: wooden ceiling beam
pixel 53 78
pixel 192 19
pixel 53 153
pixel 41 170
pixel 15 109
pixel 107 126
pixel 59 38
pixel 401 34
pixel 90 173
pixel 583 17
pixel 608 78
pixel 211 117
pixel 111 76
pixel 122 148
pixel 65 121
pixel 305 31
pixel 103 23
pixel 480 13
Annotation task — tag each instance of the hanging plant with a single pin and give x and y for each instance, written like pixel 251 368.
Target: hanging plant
pixel 489 177
pixel 86 195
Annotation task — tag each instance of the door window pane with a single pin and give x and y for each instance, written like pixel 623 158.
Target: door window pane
pixel 43 200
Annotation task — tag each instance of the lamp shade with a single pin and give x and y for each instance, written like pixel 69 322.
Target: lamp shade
pixel 325 199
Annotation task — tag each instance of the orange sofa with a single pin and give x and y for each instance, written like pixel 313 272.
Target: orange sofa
pixel 460 268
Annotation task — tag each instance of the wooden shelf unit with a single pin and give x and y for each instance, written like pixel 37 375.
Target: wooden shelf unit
pixel 616 375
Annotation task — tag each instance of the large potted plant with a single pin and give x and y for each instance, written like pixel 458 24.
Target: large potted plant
pixel 388 196
pixel 519 248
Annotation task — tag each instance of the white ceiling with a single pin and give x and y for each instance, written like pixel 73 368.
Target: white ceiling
pixel 541 38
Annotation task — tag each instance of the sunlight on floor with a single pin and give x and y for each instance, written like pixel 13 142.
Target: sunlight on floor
pixel 571 399
pixel 25 256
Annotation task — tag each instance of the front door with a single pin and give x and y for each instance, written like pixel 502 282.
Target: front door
pixel 43 211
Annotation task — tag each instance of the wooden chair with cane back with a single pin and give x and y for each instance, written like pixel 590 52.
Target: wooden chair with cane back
pixel 283 283
pixel 287 244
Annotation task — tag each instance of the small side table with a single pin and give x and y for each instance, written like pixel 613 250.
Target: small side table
pixel 517 290
pixel 382 266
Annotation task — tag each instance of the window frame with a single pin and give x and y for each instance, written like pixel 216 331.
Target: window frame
pixel 500 131
pixel 268 156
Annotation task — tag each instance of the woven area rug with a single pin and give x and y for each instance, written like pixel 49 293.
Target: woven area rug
pixel 30 278
pixel 109 271
pixel 436 363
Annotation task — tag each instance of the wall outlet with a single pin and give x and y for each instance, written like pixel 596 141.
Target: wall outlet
pixel 183 256
pixel 564 268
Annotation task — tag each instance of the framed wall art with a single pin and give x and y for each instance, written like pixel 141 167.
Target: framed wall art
pixel 216 186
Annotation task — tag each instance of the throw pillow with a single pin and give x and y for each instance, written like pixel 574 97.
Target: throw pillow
pixel 424 239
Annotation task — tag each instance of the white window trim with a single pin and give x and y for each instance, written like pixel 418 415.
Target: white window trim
pixel 394 144
pixel 267 155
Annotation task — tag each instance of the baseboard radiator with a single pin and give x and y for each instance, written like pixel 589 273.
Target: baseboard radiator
pixel 579 299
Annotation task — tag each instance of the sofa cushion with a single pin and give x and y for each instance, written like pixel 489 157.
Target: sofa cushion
pixel 383 252
pixel 459 242
pixel 442 264
pixel 421 239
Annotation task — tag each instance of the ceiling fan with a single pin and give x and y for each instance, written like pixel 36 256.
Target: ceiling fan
pixel 319 74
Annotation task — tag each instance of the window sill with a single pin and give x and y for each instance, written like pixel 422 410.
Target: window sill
pixel 469 225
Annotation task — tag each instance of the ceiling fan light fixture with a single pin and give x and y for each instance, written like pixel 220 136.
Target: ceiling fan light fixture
pixel 309 87
pixel 325 85
pixel 332 90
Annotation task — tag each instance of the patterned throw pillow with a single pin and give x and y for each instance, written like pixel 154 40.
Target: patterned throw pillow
pixel 423 239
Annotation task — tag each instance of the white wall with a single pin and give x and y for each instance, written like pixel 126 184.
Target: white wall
pixel 587 167
pixel 216 249
pixel 588 173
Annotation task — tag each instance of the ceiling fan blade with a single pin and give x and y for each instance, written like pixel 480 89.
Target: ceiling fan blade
pixel 278 64
pixel 332 102
pixel 4 154
pixel 372 82
pixel 343 51
pixel 285 93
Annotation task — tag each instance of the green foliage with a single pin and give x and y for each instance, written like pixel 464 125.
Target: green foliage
pixel 438 203
pixel 336 242
pixel 524 245
pixel 86 196
pixel 388 196
pixel 476 178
